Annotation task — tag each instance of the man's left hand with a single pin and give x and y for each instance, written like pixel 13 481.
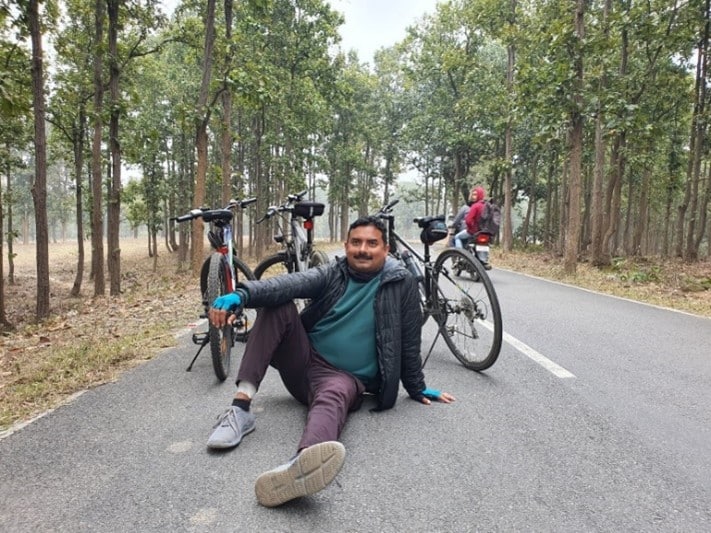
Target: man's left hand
pixel 432 394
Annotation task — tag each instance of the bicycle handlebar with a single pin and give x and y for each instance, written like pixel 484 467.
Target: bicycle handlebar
pixel 291 199
pixel 298 196
pixel 224 213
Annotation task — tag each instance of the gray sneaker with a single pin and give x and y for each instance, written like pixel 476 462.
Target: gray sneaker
pixel 231 426
pixel 307 473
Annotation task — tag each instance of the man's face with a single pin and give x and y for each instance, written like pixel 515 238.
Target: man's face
pixel 365 249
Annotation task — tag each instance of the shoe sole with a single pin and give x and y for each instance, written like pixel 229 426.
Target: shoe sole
pixel 225 445
pixel 314 468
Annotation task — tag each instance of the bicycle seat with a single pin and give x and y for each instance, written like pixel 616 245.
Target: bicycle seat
pixel 308 209
pixel 217 214
pixel 423 222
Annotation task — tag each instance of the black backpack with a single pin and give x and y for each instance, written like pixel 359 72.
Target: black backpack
pixel 490 218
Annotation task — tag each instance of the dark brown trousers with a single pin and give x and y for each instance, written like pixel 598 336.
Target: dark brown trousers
pixel 278 339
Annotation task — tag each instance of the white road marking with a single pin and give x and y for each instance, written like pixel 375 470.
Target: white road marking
pixel 532 354
pixel 539 358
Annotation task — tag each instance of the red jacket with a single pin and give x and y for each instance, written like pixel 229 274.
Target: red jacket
pixel 472 218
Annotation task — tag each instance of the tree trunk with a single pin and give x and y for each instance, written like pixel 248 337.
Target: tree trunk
pixel 572 238
pixel 97 222
pixel 39 187
pixel 691 253
pixel 531 203
pixel 10 230
pixel 201 140
pixel 597 216
pixel 4 324
pixel 227 118
pixel 507 241
pixel 703 209
pixel 78 143
pixel 641 226
pixel 114 201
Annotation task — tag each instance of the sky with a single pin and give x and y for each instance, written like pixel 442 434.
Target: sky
pixel 370 24
pixel 374 24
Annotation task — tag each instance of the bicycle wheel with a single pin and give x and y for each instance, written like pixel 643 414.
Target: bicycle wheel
pixel 318 258
pixel 220 338
pixel 274 265
pixel 245 321
pixel 466 310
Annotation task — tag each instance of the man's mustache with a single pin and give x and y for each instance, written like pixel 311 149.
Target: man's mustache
pixel 363 255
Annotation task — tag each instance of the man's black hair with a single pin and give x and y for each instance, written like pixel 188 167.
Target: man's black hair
pixel 370 221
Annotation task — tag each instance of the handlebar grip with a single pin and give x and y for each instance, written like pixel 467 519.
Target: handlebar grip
pixel 298 196
pixel 248 201
pixel 183 218
pixel 269 214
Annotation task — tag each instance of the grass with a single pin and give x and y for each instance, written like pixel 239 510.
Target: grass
pixel 49 375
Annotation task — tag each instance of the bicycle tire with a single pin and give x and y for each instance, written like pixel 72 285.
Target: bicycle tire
pixel 318 258
pixel 467 310
pixel 274 265
pixel 245 321
pixel 220 338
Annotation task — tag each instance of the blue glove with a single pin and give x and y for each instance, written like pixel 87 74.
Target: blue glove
pixel 432 394
pixel 228 302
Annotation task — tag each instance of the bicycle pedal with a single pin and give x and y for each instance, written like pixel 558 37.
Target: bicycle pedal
pixel 200 338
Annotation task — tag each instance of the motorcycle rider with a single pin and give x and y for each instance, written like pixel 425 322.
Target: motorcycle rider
pixel 472 218
pixel 459 224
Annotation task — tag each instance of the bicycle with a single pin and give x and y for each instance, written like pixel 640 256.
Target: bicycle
pixel 298 252
pixel 467 313
pixel 219 276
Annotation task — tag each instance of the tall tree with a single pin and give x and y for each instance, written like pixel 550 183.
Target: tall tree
pixel 572 237
pixel 97 219
pixel 202 119
pixel 39 187
pixel 114 188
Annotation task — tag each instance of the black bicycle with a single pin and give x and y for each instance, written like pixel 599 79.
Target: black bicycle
pixel 466 311
pixel 294 235
pixel 219 276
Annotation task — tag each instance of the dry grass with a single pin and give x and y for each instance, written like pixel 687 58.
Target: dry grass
pixel 667 283
pixel 87 341
pixel 90 341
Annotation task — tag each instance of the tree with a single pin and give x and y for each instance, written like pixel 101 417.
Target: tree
pixel 39 187
pixel 572 237
pixel 97 220
pixel 202 118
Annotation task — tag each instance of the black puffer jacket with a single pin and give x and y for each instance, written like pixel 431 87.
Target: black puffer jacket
pixel 398 317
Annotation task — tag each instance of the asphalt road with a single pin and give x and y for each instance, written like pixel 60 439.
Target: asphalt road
pixel 596 417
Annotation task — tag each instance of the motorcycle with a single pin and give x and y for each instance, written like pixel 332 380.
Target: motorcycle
pixel 478 246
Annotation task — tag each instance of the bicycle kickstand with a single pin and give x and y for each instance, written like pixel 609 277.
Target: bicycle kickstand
pixel 203 342
pixel 431 348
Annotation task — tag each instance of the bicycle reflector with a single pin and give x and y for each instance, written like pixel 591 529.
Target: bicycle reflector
pixel 309 224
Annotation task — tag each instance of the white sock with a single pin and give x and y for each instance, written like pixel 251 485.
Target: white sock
pixel 246 388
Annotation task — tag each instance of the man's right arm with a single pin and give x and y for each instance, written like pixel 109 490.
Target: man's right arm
pixel 282 289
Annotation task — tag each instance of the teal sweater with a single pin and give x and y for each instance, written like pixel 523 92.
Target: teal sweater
pixel 345 336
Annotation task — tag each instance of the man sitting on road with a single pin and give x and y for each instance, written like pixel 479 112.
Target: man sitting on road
pixel 360 333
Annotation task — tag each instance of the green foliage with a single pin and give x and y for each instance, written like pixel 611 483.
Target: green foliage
pixel 436 102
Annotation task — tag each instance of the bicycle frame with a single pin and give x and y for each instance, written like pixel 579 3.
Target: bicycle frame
pixel 298 239
pixel 219 276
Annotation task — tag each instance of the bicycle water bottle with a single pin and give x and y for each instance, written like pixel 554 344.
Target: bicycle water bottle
pixel 411 264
